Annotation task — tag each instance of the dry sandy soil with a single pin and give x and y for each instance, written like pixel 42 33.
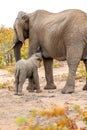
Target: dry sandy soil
pixel 13 106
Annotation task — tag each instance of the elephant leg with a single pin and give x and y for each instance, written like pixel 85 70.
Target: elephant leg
pixel 73 60
pixel 36 80
pixel 22 78
pixel 48 65
pixel 20 86
pixel 16 86
pixel 85 86
pixel 31 85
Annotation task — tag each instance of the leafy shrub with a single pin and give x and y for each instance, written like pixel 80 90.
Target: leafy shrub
pixel 52 119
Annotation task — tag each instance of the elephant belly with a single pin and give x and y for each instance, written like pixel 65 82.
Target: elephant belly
pixel 61 55
pixel 84 57
pixel 56 53
pixel 61 58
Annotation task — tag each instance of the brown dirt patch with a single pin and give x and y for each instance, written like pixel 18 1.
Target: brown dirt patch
pixel 12 106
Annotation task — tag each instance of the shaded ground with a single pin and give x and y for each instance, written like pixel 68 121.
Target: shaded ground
pixel 12 106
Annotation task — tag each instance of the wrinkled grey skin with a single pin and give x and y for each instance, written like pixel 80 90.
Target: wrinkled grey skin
pixel 27 69
pixel 61 36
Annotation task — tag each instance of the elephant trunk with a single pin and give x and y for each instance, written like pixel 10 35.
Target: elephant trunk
pixel 17 51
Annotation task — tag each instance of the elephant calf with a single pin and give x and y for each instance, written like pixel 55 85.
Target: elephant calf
pixel 27 69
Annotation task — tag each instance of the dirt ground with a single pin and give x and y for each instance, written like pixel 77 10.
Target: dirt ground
pixel 13 106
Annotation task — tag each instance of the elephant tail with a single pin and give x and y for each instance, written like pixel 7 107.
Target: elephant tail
pixel 17 73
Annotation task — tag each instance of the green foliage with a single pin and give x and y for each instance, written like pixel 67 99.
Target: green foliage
pixel 77 108
pixel 7 85
pixel 81 72
pixel 24 49
pixel 21 120
pixel 34 113
pixel 10 69
pixel 85 116
pixel 6 41
pixel 3 85
pixel 52 119
pixel 55 63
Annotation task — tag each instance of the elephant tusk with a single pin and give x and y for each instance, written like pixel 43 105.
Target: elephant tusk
pixel 12 47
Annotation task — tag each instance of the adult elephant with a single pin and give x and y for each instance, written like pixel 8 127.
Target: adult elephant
pixel 61 36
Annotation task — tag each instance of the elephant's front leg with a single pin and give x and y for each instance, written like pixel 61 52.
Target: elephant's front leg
pixel 31 85
pixel 48 65
pixel 36 80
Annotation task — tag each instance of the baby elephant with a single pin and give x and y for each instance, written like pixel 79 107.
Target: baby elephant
pixel 27 69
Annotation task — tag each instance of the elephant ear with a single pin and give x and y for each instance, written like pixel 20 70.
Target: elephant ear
pixel 25 17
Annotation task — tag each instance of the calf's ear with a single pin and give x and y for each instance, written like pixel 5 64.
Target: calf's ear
pixel 39 49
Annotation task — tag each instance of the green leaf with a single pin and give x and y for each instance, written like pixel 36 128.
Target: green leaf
pixel 77 108
pixel 21 120
pixel 85 119
pixel 34 113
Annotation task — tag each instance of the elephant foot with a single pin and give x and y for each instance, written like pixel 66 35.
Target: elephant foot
pixel 50 86
pixel 85 87
pixel 38 91
pixel 18 93
pixel 31 88
pixel 68 90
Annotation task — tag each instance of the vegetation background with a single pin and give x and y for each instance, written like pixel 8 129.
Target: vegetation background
pixel 6 41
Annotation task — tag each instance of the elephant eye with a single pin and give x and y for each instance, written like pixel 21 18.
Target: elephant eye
pixel 15 30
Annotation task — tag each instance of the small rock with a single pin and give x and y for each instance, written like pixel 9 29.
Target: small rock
pixel 50 91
